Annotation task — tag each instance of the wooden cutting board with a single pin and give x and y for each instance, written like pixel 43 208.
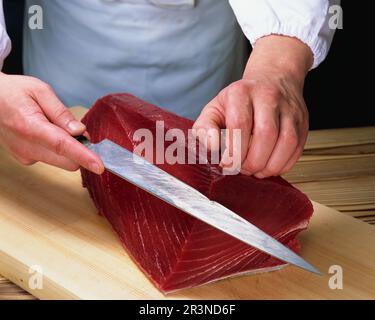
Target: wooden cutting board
pixel 49 224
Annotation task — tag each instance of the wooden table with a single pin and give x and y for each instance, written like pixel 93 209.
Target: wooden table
pixel 337 169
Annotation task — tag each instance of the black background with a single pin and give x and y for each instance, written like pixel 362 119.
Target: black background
pixel 245 309
pixel 339 92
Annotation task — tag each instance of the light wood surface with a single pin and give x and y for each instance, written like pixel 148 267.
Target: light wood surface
pixel 333 138
pixel 48 220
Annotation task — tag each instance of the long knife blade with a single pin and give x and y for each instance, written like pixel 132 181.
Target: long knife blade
pixel 161 184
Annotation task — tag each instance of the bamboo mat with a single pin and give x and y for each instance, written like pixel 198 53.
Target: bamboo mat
pixel 9 291
pixel 337 170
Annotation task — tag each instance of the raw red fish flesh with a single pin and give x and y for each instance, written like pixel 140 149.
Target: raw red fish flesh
pixel 173 249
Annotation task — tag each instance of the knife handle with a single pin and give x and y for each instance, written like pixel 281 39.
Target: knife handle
pixel 82 139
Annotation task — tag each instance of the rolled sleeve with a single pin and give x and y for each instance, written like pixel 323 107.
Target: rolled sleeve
pixel 5 44
pixel 307 20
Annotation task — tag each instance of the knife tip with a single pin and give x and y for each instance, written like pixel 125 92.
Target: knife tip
pixel 308 267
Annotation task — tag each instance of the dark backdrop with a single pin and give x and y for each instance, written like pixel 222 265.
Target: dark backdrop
pixel 338 93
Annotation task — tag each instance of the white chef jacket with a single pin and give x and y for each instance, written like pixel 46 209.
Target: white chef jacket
pixel 5 44
pixel 177 54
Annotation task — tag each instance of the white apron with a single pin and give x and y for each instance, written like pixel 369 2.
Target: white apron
pixel 177 54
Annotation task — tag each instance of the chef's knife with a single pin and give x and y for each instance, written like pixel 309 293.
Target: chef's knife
pixel 161 184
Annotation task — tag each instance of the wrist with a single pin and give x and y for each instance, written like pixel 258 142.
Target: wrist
pixel 286 56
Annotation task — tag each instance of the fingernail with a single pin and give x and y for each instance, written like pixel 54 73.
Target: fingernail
pixel 226 161
pixel 259 176
pixel 76 126
pixel 94 167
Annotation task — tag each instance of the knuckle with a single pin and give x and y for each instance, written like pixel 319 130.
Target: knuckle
pixel 22 155
pixel 38 88
pixel 28 129
pixel 298 115
pixel 31 81
pixel 267 130
pixel 41 86
pixel 62 113
pixel 19 126
pixel 45 86
pixel 16 125
pixel 298 121
pixel 268 92
pixel 24 160
pixel 238 88
pixel 239 122
pixel 290 137
pixel 59 146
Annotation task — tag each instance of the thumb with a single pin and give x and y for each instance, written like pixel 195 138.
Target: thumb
pixel 57 113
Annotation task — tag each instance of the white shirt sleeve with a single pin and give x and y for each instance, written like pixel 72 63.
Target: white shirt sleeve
pixel 306 20
pixel 5 44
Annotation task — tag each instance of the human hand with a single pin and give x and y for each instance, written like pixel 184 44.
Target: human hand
pixel 267 105
pixel 36 126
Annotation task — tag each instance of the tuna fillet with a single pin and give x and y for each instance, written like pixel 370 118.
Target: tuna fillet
pixel 173 249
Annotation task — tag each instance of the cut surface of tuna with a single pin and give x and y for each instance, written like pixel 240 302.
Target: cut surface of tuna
pixel 173 249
